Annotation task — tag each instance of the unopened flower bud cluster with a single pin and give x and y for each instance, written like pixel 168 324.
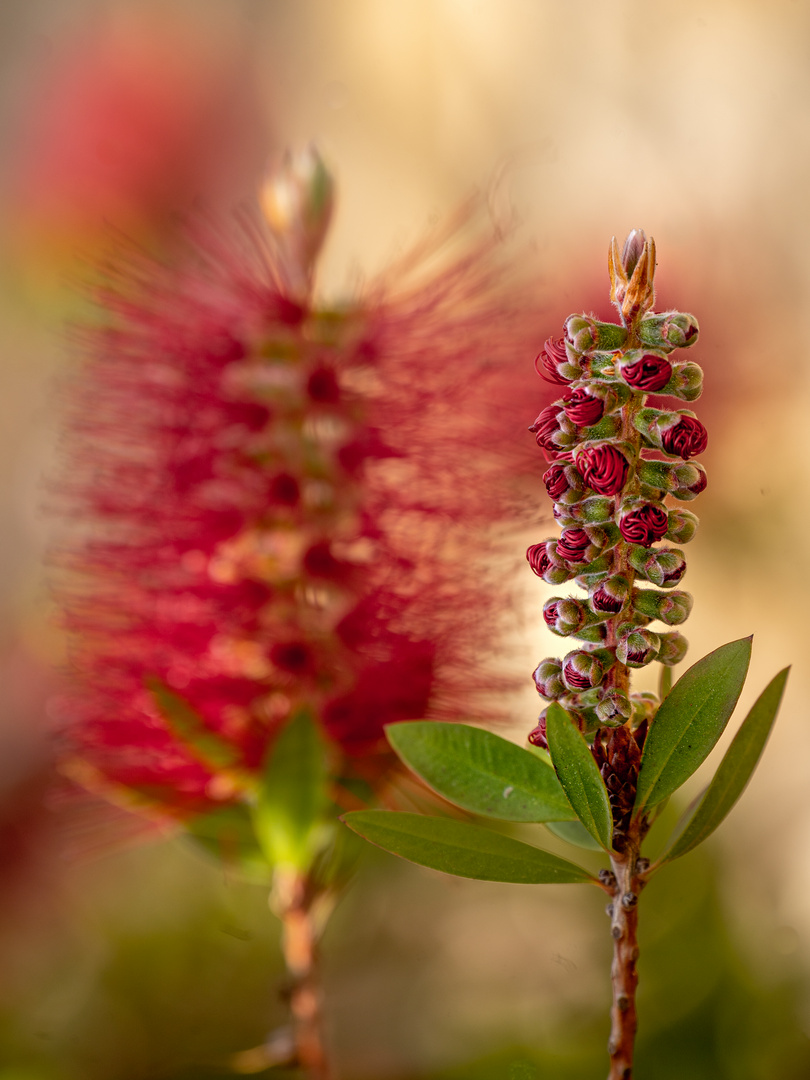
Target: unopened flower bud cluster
pixel 616 459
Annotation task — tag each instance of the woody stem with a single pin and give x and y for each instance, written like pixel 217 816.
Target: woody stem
pixel 293 901
pixel 624 976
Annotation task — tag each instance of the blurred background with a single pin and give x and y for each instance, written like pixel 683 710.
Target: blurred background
pixel 686 119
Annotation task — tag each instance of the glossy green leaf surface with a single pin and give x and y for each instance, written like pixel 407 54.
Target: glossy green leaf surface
pixel 574 832
pixel 480 771
pixel 290 810
pixel 191 729
pixel 734 772
pixel 456 847
pixel 579 775
pixel 690 721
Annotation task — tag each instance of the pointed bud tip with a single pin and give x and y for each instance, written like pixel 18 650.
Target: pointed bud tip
pixel 632 251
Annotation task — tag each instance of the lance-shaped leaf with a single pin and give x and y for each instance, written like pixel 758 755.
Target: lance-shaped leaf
pixel 690 721
pixel 734 772
pixel 227 833
pixel 289 815
pixel 480 771
pixel 579 775
pixel 191 729
pixel 456 847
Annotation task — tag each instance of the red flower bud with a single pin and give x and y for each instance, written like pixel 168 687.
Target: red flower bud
pixel 537 736
pixel 548 360
pixel 560 478
pixel 686 438
pixel 573 546
pixel 699 484
pixel 610 596
pixel 582 408
pixel 644 524
pixel 650 373
pixel 603 468
pixel 545 427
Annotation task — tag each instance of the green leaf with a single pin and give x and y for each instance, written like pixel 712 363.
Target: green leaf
pixel 480 771
pixel 690 721
pixel 290 813
pixel 734 772
pixel 574 832
pixel 456 847
pixel 665 681
pixel 227 833
pixel 579 775
pixel 208 747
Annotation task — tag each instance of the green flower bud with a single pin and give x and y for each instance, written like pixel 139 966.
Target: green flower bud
pixel 669 330
pixel 638 648
pixel 595 633
pixel 581 670
pixel 686 382
pixel 673 648
pixel 613 708
pixel 548 678
pixel 593 511
pixel 563 616
pixel 683 481
pixel 663 567
pixel 586 334
pixel 607 597
pixel 682 526
pixel 645 706
pixel 671 608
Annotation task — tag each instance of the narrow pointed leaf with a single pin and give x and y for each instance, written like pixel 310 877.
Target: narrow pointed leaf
pixel 456 847
pixel 480 771
pixel 191 729
pixel 734 772
pixel 579 775
pixel 574 832
pixel 289 814
pixel 690 721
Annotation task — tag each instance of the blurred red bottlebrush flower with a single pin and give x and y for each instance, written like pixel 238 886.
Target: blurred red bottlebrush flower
pixel 278 505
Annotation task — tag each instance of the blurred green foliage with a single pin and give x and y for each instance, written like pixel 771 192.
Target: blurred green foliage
pixel 160 966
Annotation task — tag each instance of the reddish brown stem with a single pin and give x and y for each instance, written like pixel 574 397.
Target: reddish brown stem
pixel 624 974
pixel 294 903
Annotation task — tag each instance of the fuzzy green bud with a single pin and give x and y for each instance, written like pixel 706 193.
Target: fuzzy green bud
pixel 673 648
pixel 663 566
pixel 593 511
pixel 682 526
pixel 614 708
pixel 548 679
pixel 581 670
pixel 669 330
pixel 586 334
pixel 638 648
pixel 686 382
pixel 683 481
pixel 671 608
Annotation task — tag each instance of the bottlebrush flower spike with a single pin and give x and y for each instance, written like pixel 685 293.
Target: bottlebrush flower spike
pixel 631 473
pixel 279 505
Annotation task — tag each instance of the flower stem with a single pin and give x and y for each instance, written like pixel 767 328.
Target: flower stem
pixel 624 975
pixel 293 901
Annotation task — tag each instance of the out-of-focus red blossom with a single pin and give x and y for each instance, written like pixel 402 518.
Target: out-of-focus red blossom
pixel 276 505
pixel 127 123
